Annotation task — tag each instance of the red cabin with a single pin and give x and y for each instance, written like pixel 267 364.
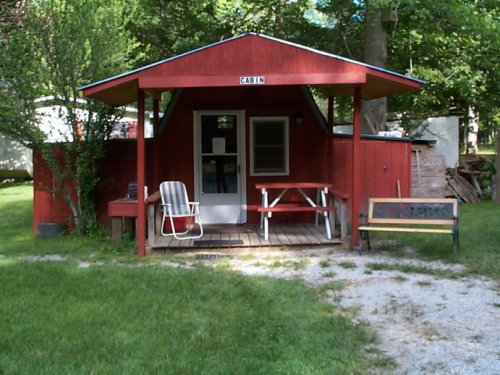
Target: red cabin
pixel 241 114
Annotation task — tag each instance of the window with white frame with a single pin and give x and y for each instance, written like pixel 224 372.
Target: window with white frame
pixel 269 146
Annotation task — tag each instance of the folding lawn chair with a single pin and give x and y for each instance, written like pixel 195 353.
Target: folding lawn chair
pixel 175 204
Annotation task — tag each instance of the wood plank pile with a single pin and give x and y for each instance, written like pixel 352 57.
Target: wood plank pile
pixel 467 182
pixel 428 172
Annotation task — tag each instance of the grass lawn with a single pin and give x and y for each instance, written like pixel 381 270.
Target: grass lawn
pixel 141 318
pixel 16 236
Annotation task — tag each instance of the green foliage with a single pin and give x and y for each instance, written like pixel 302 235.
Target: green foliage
pixel 62 45
pixel 454 47
pixel 19 85
pixel 487 178
pixel 167 28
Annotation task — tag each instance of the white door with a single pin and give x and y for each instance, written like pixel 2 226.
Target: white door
pixel 219 166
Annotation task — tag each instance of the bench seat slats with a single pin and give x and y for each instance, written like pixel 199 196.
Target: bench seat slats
pixel 412 221
pixel 407 230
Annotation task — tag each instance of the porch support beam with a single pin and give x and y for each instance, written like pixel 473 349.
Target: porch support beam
pixel 329 124
pixel 168 82
pixel 356 166
pixel 141 176
pixel 330 113
pixel 156 145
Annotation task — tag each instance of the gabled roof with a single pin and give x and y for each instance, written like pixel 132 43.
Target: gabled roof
pixel 252 59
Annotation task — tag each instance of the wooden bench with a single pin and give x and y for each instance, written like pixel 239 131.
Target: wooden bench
pixel 411 215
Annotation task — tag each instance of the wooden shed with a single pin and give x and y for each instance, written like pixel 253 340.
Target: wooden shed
pixel 241 110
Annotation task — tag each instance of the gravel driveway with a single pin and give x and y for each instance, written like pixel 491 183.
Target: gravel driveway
pixel 430 319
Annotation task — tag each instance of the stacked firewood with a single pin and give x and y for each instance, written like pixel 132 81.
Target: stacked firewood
pixel 468 181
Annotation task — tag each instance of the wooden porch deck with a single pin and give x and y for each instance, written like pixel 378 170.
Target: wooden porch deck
pixel 250 235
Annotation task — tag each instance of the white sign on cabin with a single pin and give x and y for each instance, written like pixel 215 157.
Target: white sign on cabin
pixel 253 80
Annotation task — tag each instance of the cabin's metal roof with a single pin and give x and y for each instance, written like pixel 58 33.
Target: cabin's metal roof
pixel 380 86
pixel 137 70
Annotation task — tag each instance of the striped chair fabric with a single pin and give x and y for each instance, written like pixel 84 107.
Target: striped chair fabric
pixel 174 193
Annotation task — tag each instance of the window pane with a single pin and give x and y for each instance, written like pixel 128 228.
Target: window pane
pixel 268 133
pixel 219 174
pixel 269 146
pixel 217 126
pixel 269 159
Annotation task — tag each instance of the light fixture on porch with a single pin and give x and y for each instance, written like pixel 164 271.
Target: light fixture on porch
pixel 298 117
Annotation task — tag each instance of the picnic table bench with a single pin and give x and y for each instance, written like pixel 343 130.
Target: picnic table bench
pixel 411 215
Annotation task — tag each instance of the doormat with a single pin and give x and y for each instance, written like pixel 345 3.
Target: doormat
pixel 216 243
pixel 212 256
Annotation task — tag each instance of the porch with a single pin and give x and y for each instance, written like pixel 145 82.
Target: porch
pixel 250 235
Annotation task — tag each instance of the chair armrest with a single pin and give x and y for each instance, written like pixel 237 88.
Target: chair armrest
pixel 153 197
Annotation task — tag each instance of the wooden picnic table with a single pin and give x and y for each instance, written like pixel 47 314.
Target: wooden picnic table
pixel 320 206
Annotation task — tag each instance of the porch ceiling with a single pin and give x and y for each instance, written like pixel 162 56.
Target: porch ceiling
pixel 275 61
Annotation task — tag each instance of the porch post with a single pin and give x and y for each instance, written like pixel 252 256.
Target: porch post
pixel 156 145
pixel 330 113
pixel 141 206
pixel 356 166
pixel 329 123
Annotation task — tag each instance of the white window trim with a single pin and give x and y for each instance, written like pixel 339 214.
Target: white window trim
pixel 286 121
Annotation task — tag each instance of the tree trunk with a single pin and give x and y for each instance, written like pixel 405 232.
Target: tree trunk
pixel 472 130
pixel 375 53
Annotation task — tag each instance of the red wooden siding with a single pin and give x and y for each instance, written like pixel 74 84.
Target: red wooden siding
pixel 48 206
pixel 384 162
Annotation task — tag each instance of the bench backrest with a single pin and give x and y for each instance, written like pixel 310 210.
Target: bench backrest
pixel 437 211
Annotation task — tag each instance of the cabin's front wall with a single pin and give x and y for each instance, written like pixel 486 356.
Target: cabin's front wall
pixel 307 141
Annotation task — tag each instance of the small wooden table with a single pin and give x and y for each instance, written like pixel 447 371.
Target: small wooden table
pixel 122 212
pixel 320 206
